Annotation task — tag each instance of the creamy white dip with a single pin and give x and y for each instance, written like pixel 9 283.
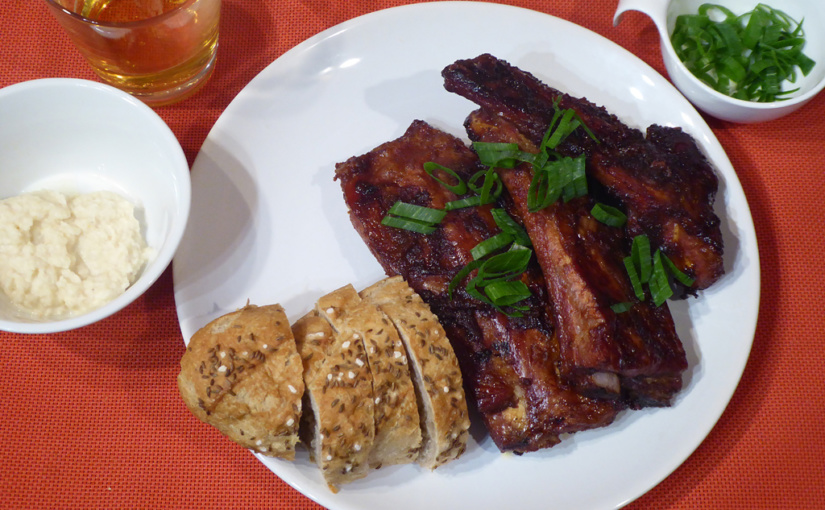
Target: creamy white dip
pixel 66 255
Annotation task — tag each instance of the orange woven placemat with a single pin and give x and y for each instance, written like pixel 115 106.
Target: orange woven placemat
pixel 92 418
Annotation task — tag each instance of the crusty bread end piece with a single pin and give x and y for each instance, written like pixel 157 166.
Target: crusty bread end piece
pixel 397 425
pixel 338 425
pixel 442 404
pixel 242 374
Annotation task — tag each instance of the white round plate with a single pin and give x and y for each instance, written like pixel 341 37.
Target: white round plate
pixel 270 225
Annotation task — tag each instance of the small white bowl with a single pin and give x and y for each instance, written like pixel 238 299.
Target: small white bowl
pixel 664 13
pixel 77 136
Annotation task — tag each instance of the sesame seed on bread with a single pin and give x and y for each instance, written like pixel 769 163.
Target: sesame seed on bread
pixel 439 385
pixel 397 425
pixel 242 374
pixel 337 426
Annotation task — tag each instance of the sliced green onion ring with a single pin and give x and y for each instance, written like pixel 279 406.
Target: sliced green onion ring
pixel 640 253
pixel 508 225
pixel 472 201
pixel 681 277
pixel 417 212
pixel 490 245
pixel 622 307
pixel 459 188
pixel 608 215
pixel 408 224
pixel 633 274
pixel 659 284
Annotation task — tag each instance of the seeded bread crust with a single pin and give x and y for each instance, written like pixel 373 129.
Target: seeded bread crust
pixel 397 425
pixel 337 427
pixel 241 373
pixel 442 404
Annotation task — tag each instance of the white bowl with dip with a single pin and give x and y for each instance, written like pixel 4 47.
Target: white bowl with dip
pixel 664 14
pixel 76 137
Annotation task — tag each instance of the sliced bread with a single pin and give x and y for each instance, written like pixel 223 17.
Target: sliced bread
pixel 397 425
pixel 242 374
pixel 337 427
pixel 439 385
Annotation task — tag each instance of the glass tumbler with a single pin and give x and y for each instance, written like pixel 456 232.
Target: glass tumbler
pixel 161 51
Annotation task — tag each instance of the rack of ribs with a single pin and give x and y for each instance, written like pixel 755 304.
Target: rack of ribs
pixel 635 356
pixel 508 363
pixel 663 181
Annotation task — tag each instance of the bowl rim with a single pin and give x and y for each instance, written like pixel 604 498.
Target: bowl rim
pixel 164 254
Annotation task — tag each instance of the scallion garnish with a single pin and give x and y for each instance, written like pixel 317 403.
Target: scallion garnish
pixel 622 307
pixel 681 277
pixel 413 217
pixel 659 284
pixel 472 201
pixel 747 56
pixel 495 281
pixel 459 188
pixel 417 212
pixel 498 155
pixel 508 225
pixel 635 281
pixel 491 244
pixel 640 254
pixel 407 224
pixel 608 215
pixel 654 270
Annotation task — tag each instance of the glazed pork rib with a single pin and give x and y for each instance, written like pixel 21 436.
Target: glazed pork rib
pixel 507 362
pixel 635 356
pixel 663 182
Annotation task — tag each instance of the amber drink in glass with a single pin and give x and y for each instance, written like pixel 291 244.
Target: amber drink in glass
pixel 160 51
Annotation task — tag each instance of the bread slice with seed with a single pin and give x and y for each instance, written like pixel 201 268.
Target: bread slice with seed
pixel 242 374
pixel 397 425
pixel 442 404
pixel 337 425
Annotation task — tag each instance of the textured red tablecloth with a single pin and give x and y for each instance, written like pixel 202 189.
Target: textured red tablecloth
pixel 92 418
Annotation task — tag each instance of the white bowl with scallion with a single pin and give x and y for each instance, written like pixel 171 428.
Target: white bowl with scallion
pixel 741 60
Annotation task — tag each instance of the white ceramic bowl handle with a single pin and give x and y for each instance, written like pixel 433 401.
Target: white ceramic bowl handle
pixel 656 9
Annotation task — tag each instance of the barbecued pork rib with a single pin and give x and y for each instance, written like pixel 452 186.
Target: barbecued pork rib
pixel 664 182
pixel 635 355
pixel 507 363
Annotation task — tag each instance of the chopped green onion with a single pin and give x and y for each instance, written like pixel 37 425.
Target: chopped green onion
pixel 472 201
pixel 506 293
pixel 459 189
pixel 681 277
pixel 575 177
pixel 489 193
pixel 633 274
pixel 417 212
pixel 508 225
pixel 659 284
pixel 506 265
pixel 640 253
pixel 498 155
pixel 622 307
pixel 608 215
pixel 749 56
pixel 413 217
pixel 461 274
pixel 490 245
pixel 408 224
